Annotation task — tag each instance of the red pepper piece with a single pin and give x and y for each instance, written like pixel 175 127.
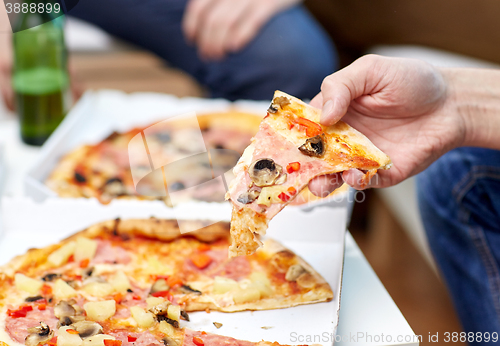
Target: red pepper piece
pixel 284 197
pixel 312 129
pixel 21 312
pixel 108 342
pixel 293 167
pixel 198 341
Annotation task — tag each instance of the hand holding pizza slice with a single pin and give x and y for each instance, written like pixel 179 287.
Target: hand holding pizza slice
pixel 290 149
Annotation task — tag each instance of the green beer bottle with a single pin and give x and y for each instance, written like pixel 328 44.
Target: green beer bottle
pixel 40 76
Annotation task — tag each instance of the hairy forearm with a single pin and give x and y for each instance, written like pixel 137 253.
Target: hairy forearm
pixel 474 95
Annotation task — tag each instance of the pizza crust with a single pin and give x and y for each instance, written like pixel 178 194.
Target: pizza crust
pixel 160 229
pixel 246 227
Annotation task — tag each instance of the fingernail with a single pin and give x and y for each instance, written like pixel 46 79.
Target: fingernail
pixel 327 110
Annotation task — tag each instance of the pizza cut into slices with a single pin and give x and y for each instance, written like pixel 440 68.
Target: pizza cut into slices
pixel 133 282
pixel 289 150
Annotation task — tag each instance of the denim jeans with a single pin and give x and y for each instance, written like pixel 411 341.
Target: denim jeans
pixel 459 197
pixel 291 52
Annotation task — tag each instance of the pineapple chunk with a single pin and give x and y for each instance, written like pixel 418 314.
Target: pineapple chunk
pixel 27 284
pixel 246 295
pixel 166 328
pixel 100 311
pixel 144 319
pixel 259 276
pixel 66 339
pixel 62 290
pixel 105 268
pixel 85 249
pixel 269 194
pixel 223 285
pixel 97 340
pixel 174 312
pixel 120 282
pixel 154 266
pixel 154 301
pixel 98 289
pixel 262 283
pixel 61 255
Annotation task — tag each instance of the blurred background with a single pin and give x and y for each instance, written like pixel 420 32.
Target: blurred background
pixel 386 224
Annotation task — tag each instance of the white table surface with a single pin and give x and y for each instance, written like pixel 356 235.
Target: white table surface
pixel 368 315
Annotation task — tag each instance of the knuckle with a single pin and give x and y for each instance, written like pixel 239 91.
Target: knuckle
pixel 368 60
pixel 327 82
pixel 213 21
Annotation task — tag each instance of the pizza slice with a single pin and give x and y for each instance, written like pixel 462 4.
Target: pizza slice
pixel 290 149
pixel 133 282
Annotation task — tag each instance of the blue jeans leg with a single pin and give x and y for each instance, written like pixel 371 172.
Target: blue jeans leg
pixel 291 52
pixel 459 198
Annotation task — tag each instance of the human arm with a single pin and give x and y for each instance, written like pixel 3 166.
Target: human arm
pixel 219 27
pixel 5 61
pixel 412 111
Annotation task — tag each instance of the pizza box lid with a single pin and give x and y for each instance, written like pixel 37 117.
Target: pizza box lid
pixel 98 113
pixel 319 243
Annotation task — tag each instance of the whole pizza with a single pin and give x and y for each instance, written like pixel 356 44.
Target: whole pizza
pixel 134 282
pixel 103 171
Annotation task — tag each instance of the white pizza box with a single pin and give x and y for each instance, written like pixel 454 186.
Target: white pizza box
pixel 3 169
pixel 29 224
pixel 3 175
pixel 99 113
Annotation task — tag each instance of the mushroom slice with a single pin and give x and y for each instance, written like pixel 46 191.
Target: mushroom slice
pixel 264 172
pixel 64 321
pixel 184 315
pixel 189 289
pixel 294 272
pixel 272 109
pixel 173 323
pixel 281 179
pixel 168 341
pixel 39 335
pixel 281 101
pixel 306 280
pixel 248 197
pixel 33 299
pixel 114 187
pixel 87 329
pixel 160 309
pixel 314 146
pixel 51 276
pixel 75 319
pixel 64 309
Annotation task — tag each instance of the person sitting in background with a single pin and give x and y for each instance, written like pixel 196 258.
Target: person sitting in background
pixel 445 124
pixel 238 49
